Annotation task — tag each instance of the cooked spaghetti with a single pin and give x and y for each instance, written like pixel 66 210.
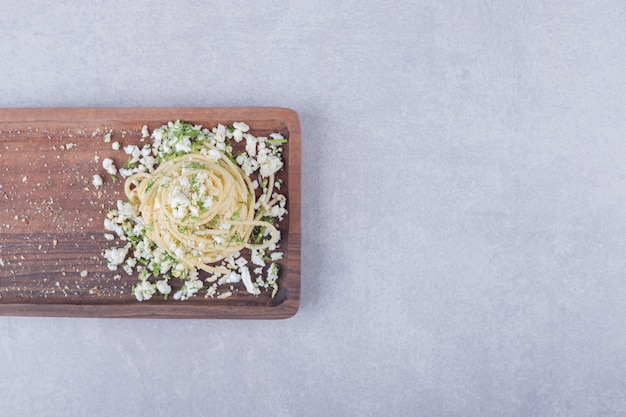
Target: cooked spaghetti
pixel 192 205
pixel 199 209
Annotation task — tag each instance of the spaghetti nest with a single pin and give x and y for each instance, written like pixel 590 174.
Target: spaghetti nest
pixel 200 208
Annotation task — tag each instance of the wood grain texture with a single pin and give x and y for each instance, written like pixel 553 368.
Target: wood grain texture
pixel 51 216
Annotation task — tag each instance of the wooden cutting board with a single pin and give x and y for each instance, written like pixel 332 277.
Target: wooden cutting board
pixel 51 215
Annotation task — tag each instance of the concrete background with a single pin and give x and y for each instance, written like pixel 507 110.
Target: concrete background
pixel 464 217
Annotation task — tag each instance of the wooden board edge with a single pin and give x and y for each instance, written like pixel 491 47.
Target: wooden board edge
pixel 285 310
pixel 77 114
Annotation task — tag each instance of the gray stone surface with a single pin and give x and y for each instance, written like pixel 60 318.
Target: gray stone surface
pixel 463 219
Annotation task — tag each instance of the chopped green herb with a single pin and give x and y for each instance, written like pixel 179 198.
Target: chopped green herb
pixel 197 145
pixel 149 186
pixel 129 164
pixel 258 236
pixel 173 155
pixel 276 141
pixel 197 165
pixel 234 238
pixel 268 219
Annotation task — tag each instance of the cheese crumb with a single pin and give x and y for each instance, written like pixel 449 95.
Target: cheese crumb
pixel 225 295
pixel 247 281
pixel 163 287
pixel 144 290
pixel 115 257
pixel 241 126
pixel 97 180
pixel 109 166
